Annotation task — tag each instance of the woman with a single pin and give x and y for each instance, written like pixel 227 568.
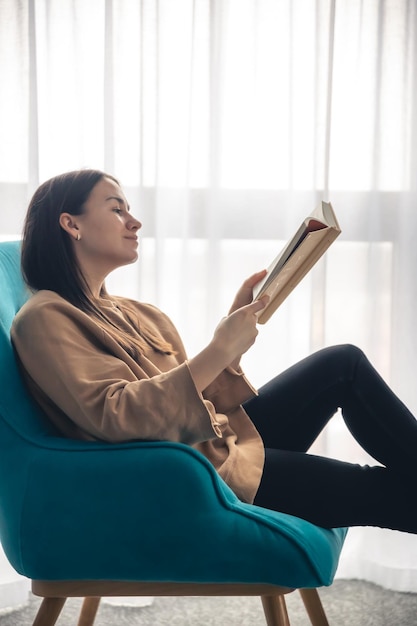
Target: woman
pixel 113 369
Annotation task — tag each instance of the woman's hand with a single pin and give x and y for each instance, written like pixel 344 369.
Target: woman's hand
pixel 233 336
pixel 237 332
pixel 244 296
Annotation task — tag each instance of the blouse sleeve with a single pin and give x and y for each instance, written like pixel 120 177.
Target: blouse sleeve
pixel 229 390
pixel 77 366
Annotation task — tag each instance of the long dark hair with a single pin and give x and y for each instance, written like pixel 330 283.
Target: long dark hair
pixel 48 259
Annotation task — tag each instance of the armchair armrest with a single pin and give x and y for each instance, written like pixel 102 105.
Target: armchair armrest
pixel 159 512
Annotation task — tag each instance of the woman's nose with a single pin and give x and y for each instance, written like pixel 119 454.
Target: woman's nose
pixel 134 224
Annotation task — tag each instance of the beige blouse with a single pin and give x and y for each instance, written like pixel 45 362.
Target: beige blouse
pixel 91 388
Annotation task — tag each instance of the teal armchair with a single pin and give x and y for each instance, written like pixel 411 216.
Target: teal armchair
pixel 87 519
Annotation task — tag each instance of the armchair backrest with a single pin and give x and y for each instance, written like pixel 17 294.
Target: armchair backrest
pixel 14 292
pixel 16 407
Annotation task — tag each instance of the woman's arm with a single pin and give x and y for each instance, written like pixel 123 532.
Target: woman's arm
pixel 79 372
pixel 233 337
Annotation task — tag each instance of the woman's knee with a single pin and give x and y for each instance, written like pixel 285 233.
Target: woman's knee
pixel 343 356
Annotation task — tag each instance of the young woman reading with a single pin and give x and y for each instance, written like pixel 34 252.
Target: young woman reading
pixel 109 368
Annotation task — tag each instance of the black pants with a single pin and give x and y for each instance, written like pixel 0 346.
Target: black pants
pixel 293 408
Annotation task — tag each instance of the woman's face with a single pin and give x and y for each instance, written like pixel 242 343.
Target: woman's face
pixel 107 231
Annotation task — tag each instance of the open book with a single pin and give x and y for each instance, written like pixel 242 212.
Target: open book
pixel 310 242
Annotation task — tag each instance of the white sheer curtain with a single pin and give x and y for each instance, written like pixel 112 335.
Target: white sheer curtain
pixel 226 121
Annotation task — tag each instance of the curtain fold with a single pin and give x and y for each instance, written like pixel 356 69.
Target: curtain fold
pixel 226 121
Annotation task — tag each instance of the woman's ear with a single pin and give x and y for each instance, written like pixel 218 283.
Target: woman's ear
pixel 67 223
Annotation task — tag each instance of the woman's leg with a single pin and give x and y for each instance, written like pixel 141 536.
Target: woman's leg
pixel 333 493
pixel 293 408
pixel 291 411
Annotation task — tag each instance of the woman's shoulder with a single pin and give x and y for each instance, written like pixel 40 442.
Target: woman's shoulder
pixel 45 300
pixel 47 309
pixel 44 296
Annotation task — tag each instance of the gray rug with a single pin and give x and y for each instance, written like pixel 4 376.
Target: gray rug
pixel 347 603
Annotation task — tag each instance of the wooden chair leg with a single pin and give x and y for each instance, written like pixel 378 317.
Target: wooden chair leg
pixel 49 611
pixel 275 609
pixel 314 607
pixel 89 611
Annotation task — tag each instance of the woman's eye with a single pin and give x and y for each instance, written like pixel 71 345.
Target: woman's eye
pixel 118 210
